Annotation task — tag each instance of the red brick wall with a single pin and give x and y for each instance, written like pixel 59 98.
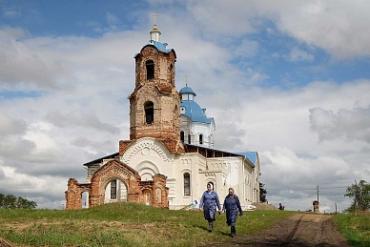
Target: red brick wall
pixel 116 170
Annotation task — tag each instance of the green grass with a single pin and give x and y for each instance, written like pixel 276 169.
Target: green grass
pixel 123 225
pixel 355 228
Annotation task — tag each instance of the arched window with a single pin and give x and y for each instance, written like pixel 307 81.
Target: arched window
pixel 182 136
pixel 189 139
pixel 113 189
pixel 201 139
pixel 149 69
pixel 186 184
pixel 149 112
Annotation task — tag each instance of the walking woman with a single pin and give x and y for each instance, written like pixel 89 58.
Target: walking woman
pixel 232 207
pixel 209 202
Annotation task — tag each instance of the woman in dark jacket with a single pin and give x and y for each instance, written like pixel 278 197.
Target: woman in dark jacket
pixel 209 202
pixel 232 208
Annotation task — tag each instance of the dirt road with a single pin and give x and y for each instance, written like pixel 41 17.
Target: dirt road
pixel 305 230
pixel 3 243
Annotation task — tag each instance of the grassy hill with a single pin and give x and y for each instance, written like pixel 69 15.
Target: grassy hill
pixel 123 224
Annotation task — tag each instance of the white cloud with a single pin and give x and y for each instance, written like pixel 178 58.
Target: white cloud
pixel 337 26
pixel 223 17
pixel 353 124
pixel 279 124
pixel 31 186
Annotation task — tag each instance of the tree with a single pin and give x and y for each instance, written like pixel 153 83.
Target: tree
pixel 1 200
pixel 263 193
pixel 11 201
pixel 360 192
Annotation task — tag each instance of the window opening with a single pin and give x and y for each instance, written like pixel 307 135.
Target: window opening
pixel 186 184
pixel 200 139
pixel 149 69
pixel 182 136
pixel 113 189
pixel 149 112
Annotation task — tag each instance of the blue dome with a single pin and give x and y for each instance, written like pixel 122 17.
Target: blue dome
pixel 194 112
pixel 187 90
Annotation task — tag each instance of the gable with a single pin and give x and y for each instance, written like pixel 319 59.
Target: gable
pixel 115 167
pixel 146 147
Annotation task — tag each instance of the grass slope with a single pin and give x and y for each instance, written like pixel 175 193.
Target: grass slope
pixel 355 228
pixel 123 225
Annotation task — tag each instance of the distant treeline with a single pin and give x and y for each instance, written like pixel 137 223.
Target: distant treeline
pixel 11 201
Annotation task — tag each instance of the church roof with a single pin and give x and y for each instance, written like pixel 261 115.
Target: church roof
pixel 160 46
pixel 195 112
pixel 252 156
pixel 97 161
pixel 187 90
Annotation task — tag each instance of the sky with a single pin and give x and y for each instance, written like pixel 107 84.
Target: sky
pixel 289 79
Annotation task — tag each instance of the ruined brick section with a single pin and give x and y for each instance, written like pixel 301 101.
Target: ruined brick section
pixel 161 198
pixel 114 169
pixel 161 91
pixel 123 145
pixel 74 193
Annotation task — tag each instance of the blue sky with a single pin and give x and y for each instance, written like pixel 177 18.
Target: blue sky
pixel 63 18
pixel 271 58
pixel 289 79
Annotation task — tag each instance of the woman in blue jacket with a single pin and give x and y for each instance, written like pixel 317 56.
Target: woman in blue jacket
pixel 209 202
pixel 232 207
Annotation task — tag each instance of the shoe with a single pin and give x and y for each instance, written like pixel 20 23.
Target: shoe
pixel 233 231
pixel 210 226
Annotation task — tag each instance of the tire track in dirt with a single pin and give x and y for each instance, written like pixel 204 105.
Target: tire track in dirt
pixel 304 230
pixel 3 243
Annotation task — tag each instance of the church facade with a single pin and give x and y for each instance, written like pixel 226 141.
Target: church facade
pixel 169 157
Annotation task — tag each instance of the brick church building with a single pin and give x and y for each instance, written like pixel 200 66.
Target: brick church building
pixel 169 157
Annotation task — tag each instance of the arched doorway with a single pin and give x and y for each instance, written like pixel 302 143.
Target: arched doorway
pixel 85 199
pixel 115 191
pixel 147 197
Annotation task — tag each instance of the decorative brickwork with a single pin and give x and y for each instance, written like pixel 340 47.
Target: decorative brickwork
pixel 114 169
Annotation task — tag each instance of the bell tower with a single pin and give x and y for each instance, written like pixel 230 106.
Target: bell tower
pixel 155 103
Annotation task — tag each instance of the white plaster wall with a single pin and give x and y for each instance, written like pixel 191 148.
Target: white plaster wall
pixel 195 129
pixel 148 155
pixel 191 163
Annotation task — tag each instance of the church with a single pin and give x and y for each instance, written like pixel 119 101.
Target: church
pixel 170 155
